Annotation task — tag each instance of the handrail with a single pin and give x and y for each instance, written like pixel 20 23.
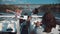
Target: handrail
pixel 24 15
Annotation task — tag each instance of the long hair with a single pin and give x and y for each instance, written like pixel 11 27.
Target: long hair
pixel 48 21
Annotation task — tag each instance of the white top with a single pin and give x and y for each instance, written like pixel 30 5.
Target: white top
pixel 17 15
pixel 39 30
pixel 1 26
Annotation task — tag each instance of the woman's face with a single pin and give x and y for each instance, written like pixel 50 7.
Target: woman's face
pixel 29 18
pixel 18 11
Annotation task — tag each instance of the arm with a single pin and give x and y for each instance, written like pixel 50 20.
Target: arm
pixel 7 10
pixel 32 32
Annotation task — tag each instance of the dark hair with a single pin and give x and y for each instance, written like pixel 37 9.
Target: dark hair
pixel 49 21
pixel 35 11
pixel 25 13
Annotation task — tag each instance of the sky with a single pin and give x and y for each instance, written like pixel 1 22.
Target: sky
pixel 29 1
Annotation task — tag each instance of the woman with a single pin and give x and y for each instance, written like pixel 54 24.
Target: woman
pixel 17 15
pixel 25 28
pixel 38 29
pixel 49 22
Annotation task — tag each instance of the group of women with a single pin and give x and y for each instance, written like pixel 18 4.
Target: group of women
pixel 41 27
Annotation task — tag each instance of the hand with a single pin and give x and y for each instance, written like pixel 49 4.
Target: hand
pixel 7 10
pixel 37 23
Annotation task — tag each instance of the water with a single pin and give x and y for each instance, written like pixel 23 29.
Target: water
pixel 56 14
